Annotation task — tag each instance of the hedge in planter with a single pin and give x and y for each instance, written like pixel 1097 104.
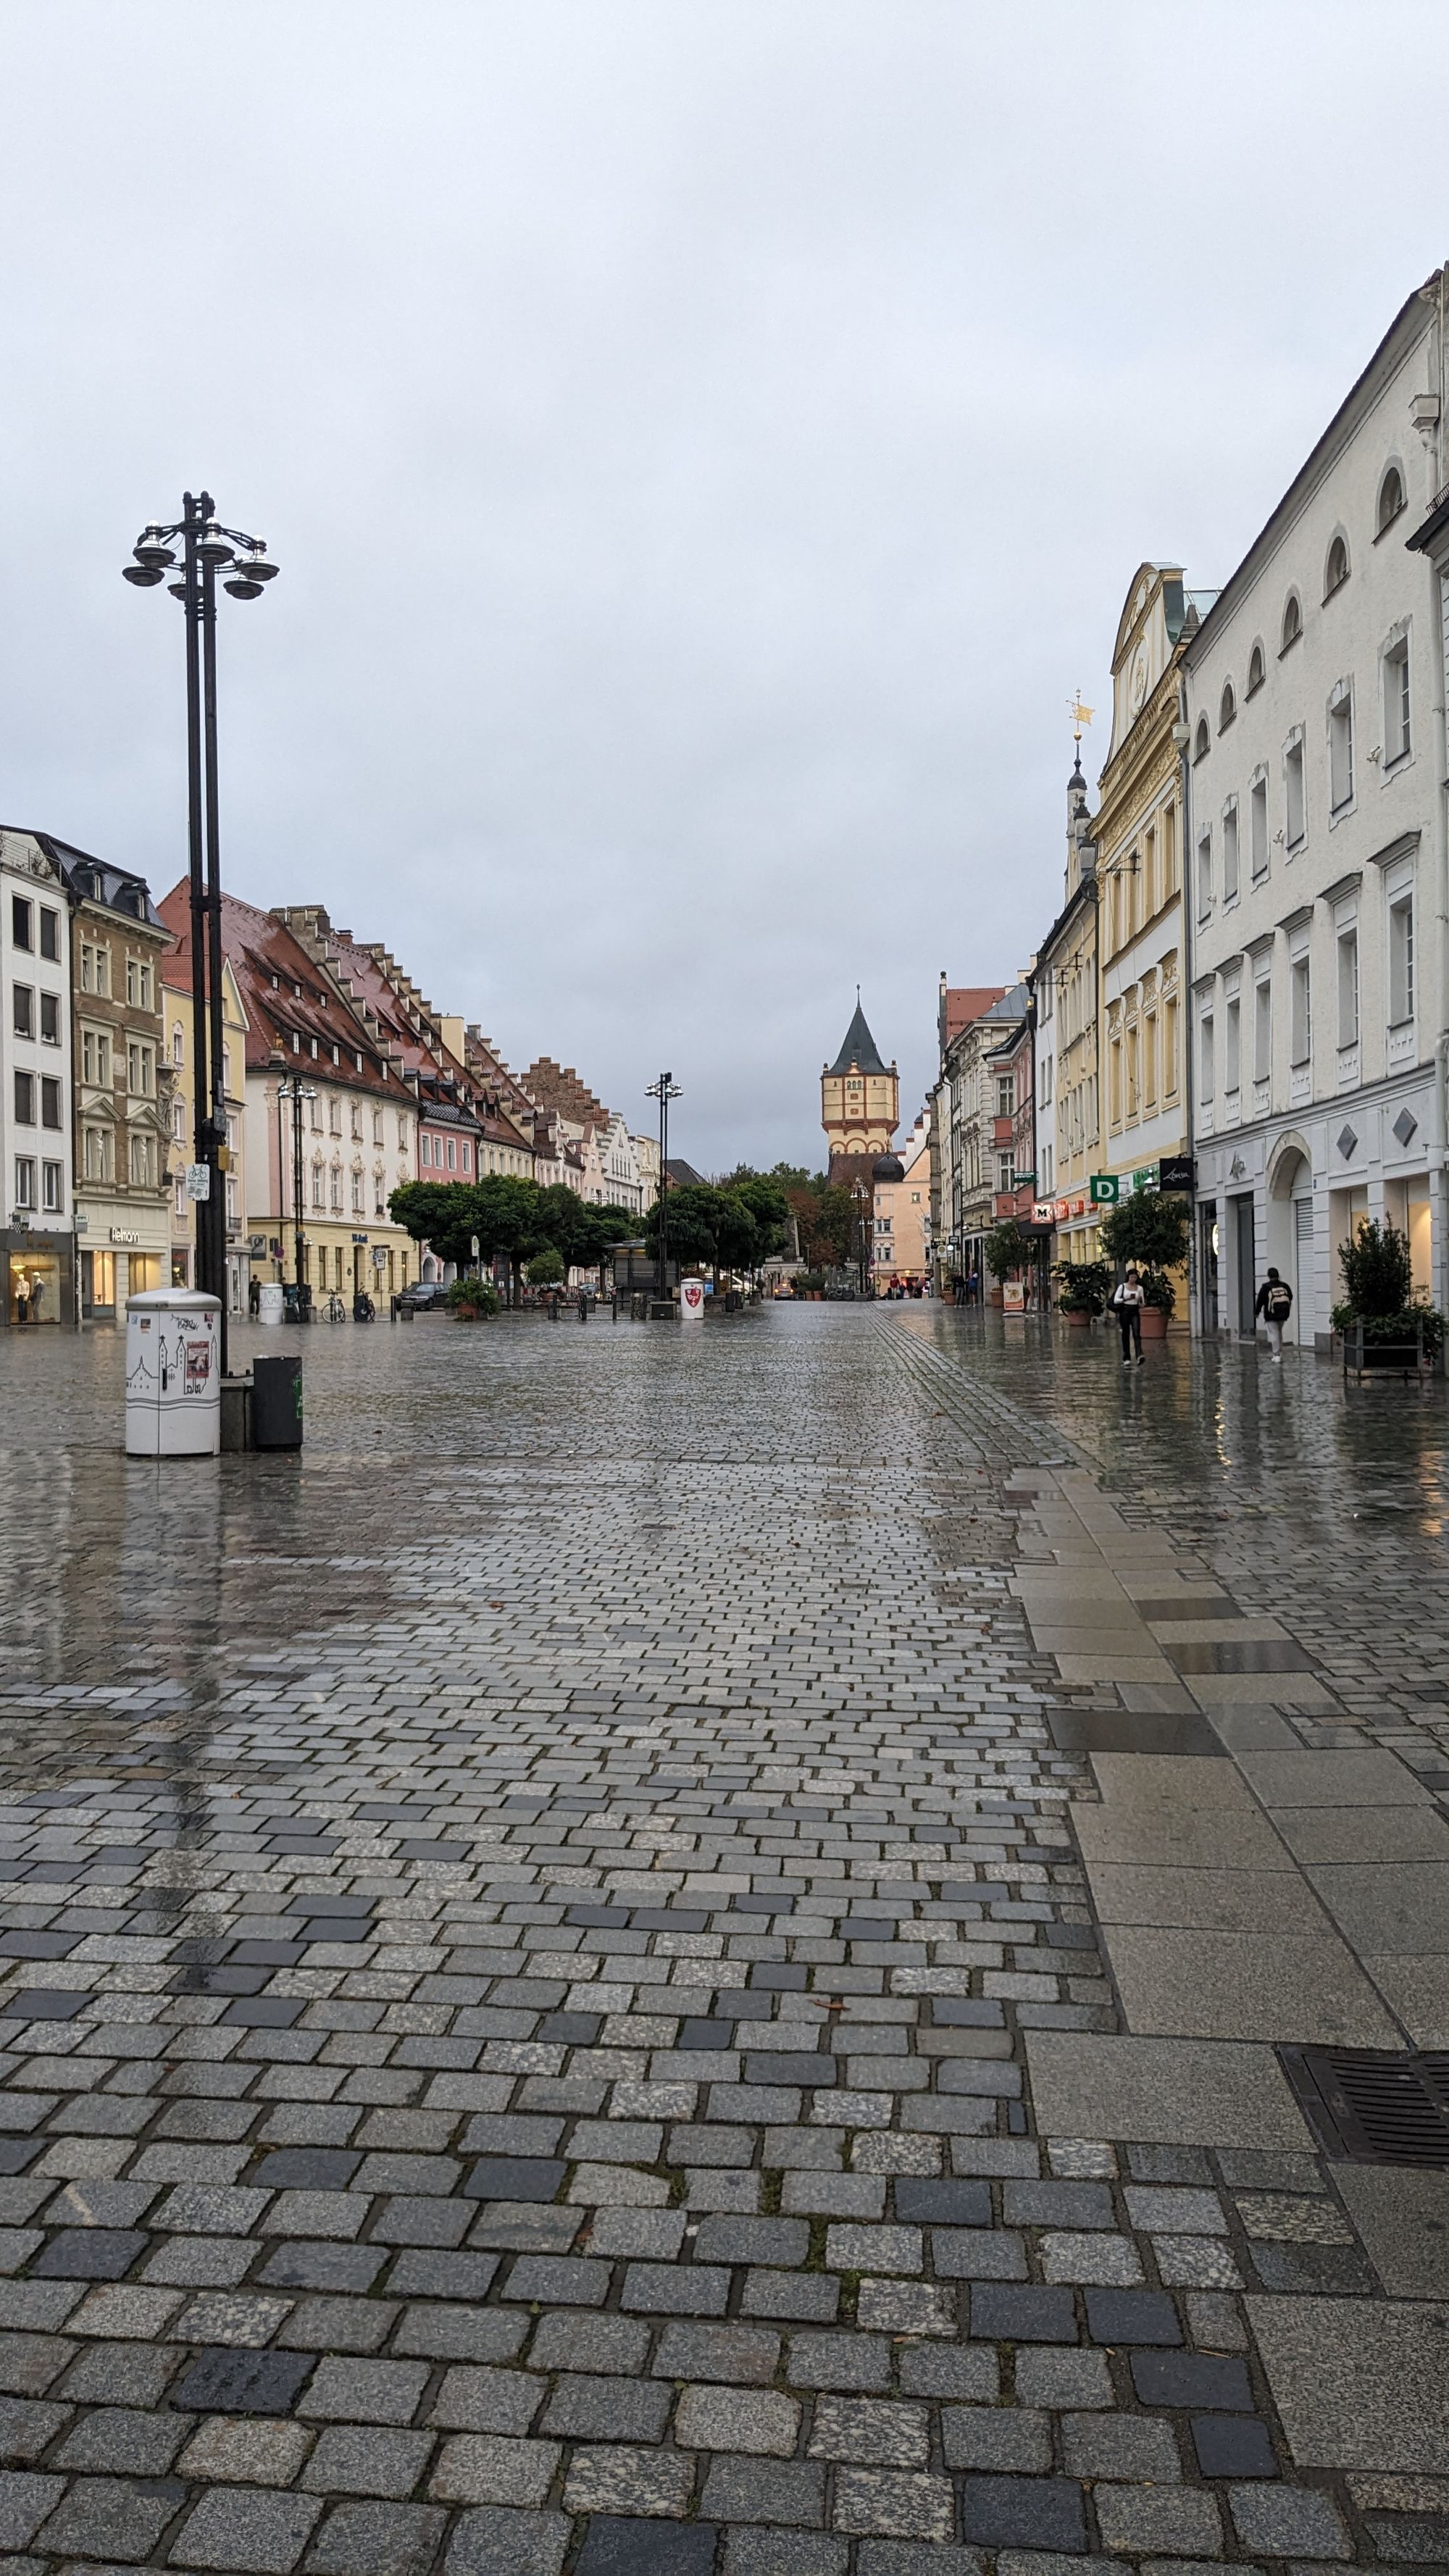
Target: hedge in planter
pixel 1085 1286
pixel 1378 1279
pixel 470 1298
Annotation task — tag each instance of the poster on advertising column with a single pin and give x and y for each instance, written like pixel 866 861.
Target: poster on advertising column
pixel 691 1301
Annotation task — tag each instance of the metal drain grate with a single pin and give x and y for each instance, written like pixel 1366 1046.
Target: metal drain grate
pixel 1372 2108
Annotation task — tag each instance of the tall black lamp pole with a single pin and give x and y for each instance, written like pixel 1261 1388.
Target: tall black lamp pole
pixel 292 1088
pixel 664 1090
pixel 207 548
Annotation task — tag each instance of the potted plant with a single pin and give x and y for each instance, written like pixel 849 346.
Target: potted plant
pixel 1006 1249
pixel 1384 1325
pixel 1159 1297
pixel 468 1299
pixel 1154 1232
pixel 1083 1289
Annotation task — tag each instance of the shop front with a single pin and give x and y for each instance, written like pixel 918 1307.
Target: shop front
pixel 39 1277
pixel 121 1263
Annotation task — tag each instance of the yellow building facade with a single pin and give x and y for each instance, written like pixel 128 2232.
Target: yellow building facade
pixel 1139 839
pixel 1064 987
pixel 860 1103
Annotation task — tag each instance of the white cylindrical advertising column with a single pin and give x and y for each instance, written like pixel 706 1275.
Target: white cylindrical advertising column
pixel 691 1301
pixel 271 1302
pixel 173 1374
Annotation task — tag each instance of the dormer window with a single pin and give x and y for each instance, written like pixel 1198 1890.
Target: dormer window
pixel 1292 621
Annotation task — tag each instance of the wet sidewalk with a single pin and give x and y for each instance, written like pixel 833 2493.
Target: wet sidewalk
pixel 555 2013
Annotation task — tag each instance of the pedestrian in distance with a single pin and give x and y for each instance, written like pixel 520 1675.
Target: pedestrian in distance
pixel 1128 1302
pixel 1275 1304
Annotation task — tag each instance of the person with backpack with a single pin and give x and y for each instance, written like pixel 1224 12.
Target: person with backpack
pixel 1127 1304
pixel 1275 1305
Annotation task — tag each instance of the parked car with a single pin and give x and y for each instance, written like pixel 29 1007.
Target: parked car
pixel 422 1294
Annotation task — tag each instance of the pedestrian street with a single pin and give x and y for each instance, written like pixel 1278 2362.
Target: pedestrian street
pixel 698 1952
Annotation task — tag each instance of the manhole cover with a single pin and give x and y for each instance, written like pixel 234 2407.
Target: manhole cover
pixel 1370 2107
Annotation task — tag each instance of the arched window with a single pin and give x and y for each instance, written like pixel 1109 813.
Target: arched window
pixel 1335 571
pixel 1227 707
pixel 1292 620
pixel 1255 669
pixel 1391 499
pixel 1203 738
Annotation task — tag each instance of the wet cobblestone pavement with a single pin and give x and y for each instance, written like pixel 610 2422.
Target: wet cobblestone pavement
pixel 597 1975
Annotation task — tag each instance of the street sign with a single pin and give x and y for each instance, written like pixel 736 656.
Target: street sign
pixel 1103 1189
pixel 198 1180
pixel 1145 1179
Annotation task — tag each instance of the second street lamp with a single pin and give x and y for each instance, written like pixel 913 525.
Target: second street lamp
pixel 291 1088
pixel 207 549
pixel 664 1090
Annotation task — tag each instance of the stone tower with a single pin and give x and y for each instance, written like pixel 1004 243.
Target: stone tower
pixel 859 1103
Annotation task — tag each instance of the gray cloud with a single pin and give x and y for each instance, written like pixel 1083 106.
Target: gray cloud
pixel 705 445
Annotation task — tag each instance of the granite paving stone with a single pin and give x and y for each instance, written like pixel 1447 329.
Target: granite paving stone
pixel 566 2024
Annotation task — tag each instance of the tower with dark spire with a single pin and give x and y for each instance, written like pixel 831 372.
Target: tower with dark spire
pixel 859 1103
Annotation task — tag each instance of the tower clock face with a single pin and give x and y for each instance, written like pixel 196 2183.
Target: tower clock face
pixel 1137 680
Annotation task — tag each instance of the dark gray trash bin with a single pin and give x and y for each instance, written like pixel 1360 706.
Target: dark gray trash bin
pixel 277 1402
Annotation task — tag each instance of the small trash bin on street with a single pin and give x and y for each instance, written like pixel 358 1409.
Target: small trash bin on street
pixel 277 1402
pixel 236 1411
pixel 173 1374
pixel 271 1302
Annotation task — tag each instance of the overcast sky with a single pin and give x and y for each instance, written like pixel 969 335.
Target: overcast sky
pixel 705 445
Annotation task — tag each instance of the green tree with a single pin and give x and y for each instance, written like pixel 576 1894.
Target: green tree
pixel 692 1220
pixel 546 1269
pixel 508 1221
pixel 1008 1247
pixel 1148 1228
pixel 440 1213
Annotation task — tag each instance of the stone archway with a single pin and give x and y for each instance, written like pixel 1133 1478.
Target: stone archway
pixel 1291 1231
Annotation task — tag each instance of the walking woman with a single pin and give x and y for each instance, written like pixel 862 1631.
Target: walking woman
pixel 1129 1301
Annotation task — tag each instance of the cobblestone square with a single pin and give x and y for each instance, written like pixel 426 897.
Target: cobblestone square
pixel 591 1979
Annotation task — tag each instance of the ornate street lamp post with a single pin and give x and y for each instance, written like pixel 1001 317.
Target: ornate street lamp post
pixel 664 1090
pixel 293 1089
pixel 207 548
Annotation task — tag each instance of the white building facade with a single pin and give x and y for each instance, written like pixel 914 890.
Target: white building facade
pixel 37 1236
pixel 1313 734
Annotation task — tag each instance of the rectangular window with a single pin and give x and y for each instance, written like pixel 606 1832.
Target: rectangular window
pixel 25 1100
pixel 334 1114
pixel 357 1193
pixel 1204 875
pixel 319 1187
pixel 178 1196
pixel 1300 1017
pixel 1262 1029
pixel 1005 1168
pixel 140 1162
pixel 1006 1096
pixel 1233 1044
pixel 1169 1052
pixel 52 1179
pixel 50 1019
pixel 402 1134
pixel 1340 753
pixel 1169 850
pixel 23 1010
pixel 336 1191
pixel 1396 702
pixel 377 1126
pixel 315 1121
pixel 1258 828
pixel 49 1100
pixel 357 1121
pixel 232 1217
pixel 141 1068
pixel 1294 818
pixel 1401 962
pixel 1205 1054
pixel 1348 988
pixel 1230 854
pixel 452 1156
pixel 21 917
pixel 50 935
pixel 24 1181
pixel 466 1152
pixel 95 1056
pixel 133 983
